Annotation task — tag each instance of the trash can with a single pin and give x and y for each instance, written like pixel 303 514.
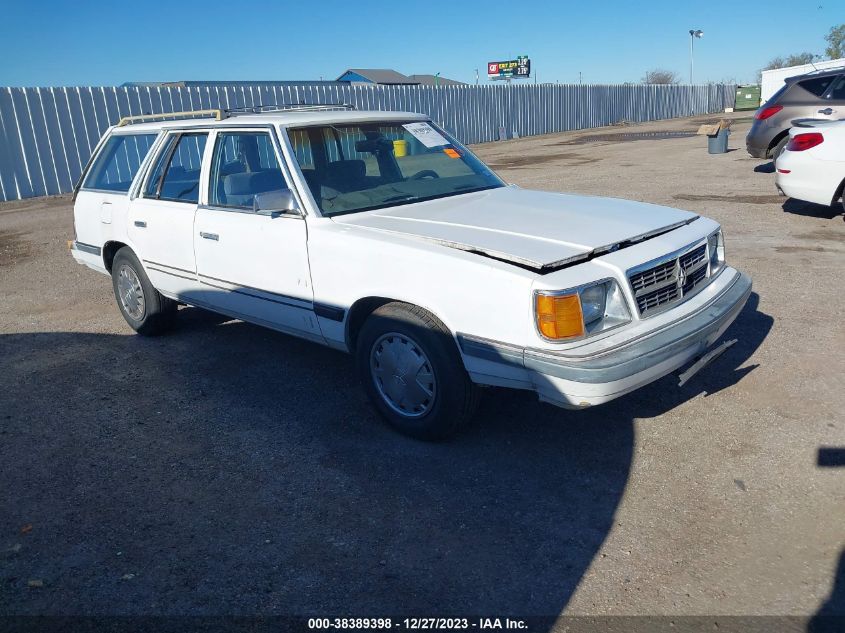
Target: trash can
pixel 400 148
pixel 718 143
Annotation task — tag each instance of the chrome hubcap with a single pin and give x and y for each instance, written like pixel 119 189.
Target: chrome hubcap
pixel 130 292
pixel 403 375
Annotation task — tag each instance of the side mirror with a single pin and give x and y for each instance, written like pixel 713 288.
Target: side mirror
pixel 273 202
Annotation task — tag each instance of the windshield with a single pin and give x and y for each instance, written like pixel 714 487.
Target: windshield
pixel 364 166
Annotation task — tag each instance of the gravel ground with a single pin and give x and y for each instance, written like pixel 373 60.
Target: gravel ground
pixel 227 469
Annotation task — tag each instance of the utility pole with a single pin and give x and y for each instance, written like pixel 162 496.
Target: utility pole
pixel 476 76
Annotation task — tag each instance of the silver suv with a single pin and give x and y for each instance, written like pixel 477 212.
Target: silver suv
pixel 816 95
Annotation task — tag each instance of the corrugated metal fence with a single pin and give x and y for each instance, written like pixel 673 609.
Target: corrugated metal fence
pixel 48 134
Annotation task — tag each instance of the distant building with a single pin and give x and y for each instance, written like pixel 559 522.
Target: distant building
pixel 388 77
pixel 382 76
pixel 433 80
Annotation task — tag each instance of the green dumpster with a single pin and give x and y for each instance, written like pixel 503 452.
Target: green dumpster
pixel 747 97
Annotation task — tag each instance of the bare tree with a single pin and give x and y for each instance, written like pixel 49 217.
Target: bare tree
pixel 661 76
pixel 799 59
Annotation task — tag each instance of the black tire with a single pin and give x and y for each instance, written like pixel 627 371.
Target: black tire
pixel 454 396
pixel 777 150
pixel 842 198
pixel 155 313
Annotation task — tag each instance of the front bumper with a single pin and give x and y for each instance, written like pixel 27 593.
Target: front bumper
pixel 576 382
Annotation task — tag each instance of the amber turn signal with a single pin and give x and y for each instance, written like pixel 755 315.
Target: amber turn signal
pixel 559 316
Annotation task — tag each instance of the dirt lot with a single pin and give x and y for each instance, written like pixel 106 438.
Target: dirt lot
pixel 228 469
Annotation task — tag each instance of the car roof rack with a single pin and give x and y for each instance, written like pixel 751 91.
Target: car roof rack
pixel 287 107
pixel 217 113
pixel 222 113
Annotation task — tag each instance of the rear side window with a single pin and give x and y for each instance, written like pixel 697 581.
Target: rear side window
pixel 817 86
pixel 176 174
pixel 117 163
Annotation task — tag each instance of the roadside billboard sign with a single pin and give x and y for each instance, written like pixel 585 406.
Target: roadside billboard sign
pixel 519 67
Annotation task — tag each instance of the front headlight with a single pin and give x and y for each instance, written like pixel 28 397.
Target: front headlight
pixel 716 249
pixel 579 312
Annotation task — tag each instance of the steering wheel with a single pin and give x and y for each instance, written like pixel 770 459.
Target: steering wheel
pixel 425 173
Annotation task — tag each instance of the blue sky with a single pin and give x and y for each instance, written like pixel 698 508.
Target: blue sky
pixel 107 43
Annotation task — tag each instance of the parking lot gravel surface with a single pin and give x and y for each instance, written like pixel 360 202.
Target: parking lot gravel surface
pixel 228 469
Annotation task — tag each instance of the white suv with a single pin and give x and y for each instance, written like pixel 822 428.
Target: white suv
pixel 377 233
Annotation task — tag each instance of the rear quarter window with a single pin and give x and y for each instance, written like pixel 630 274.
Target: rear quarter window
pixel 817 86
pixel 117 163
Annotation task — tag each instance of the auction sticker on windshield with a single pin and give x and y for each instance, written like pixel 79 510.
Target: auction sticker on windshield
pixel 426 134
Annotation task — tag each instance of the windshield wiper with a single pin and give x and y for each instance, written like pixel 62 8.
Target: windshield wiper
pixel 474 188
pixel 404 196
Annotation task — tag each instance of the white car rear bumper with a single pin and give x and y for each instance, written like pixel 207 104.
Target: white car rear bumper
pixel 801 176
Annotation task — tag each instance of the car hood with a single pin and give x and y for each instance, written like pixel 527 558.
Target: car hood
pixel 535 229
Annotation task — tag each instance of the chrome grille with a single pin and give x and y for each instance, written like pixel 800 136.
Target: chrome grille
pixel 653 276
pixel 694 258
pixel 670 280
pixel 693 279
pixel 657 298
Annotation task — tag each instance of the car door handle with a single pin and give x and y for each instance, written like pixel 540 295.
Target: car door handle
pixel 826 111
pixel 105 212
pixel 140 224
pixel 209 236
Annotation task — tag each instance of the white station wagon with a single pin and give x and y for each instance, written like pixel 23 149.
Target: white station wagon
pixel 379 234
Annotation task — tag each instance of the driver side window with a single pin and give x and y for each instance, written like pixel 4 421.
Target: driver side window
pixel 244 164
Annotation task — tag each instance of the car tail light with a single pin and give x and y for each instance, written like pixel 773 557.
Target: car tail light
pixel 800 142
pixel 765 113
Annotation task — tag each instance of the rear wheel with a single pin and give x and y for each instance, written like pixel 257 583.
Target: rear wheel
pixel 842 197
pixel 146 310
pixel 412 371
pixel 777 150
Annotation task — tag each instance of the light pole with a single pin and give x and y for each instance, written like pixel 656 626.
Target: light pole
pixel 693 34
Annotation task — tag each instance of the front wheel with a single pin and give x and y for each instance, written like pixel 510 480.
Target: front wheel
pixel 412 371
pixel 146 310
